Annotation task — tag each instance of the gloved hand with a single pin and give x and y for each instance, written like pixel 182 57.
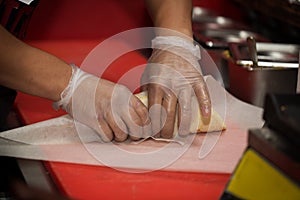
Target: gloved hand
pixel 108 108
pixel 172 77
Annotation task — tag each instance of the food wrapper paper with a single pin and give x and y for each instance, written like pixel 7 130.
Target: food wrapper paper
pixel 59 140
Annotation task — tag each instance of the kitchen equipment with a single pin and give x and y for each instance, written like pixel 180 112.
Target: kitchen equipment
pixel 199 12
pixel 213 19
pixel 269 167
pixel 268 54
pixel 213 22
pixel 205 18
pixel 220 38
pixel 252 51
pixel 215 31
pixel 278 20
pixel 276 72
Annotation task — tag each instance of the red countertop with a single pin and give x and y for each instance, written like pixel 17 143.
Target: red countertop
pixel 90 182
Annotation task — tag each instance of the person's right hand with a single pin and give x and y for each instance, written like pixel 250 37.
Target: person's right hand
pixel 173 77
pixel 109 108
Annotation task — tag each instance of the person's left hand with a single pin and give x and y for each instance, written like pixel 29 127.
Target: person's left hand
pixel 172 77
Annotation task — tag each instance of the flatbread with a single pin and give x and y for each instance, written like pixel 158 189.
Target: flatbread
pixel 198 124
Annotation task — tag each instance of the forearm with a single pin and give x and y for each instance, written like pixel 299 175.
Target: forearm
pixel 172 14
pixel 31 70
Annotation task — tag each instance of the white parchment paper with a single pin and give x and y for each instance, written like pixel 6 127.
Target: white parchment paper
pixel 57 140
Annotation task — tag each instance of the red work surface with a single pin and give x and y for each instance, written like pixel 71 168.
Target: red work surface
pixel 90 182
pixel 94 182
pixel 70 30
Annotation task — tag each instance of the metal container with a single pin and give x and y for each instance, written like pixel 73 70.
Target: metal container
pixel 216 22
pixel 206 18
pixel 276 71
pixel 214 31
pixel 220 38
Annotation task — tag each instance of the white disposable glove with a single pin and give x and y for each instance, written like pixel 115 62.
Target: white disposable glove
pixel 172 77
pixel 108 108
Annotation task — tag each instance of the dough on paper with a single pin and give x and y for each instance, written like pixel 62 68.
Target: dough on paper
pixel 198 125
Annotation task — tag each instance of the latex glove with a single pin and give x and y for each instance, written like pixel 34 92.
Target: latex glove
pixel 108 108
pixel 172 77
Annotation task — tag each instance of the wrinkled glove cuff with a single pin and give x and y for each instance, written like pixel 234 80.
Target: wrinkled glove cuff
pixel 65 97
pixel 160 41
